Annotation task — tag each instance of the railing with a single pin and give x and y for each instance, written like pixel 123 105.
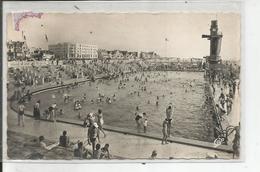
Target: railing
pixel 223 135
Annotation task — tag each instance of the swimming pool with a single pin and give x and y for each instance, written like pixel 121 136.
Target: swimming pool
pixel 185 90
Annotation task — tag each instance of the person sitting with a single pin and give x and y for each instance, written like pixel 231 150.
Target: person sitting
pixel 105 152
pixel 154 154
pixel 43 144
pixel 79 151
pixel 97 152
pixel 64 139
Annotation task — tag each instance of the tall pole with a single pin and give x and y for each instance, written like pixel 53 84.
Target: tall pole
pixel 166 40
pixel 215 38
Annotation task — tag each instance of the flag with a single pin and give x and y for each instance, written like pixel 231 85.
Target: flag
pixel 46 37
pixel 18 17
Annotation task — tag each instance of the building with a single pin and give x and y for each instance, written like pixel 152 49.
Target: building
pixel 74 51
pixel 148 55
pixel 132 55
pixel 116 54
pixel 17 50
pixel 103 54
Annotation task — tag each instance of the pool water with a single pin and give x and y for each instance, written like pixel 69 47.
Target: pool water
pixel 185 90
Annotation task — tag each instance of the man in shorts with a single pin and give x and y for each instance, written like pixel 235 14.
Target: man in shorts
pixel 169 116
pixel 164 131
pixel 93 135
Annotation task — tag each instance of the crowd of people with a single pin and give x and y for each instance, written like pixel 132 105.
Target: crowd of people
pixel 79 148
pixel 224 85
pixel 25 79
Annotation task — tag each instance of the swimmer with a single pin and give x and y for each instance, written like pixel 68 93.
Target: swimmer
pixel 114 97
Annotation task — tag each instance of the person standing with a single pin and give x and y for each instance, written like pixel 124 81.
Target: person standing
pixel 29 95
pixel 53 112
pixel 164 131
pixel 145 122
pixel 21 108
pixel 93 135
pixel 169 116
pixel 36 110
pixel 100 121
pixel 236 142
pixel 138 121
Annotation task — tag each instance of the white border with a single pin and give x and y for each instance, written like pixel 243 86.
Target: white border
pixel 248 76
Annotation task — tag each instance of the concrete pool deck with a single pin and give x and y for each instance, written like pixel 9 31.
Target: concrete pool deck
pixel 122 145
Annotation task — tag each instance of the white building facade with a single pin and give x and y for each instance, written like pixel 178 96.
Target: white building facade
pixel 74 51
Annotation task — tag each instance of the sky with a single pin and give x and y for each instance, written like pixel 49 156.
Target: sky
pixel 133 32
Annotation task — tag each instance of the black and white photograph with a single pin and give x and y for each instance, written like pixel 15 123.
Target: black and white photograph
pixel 123 86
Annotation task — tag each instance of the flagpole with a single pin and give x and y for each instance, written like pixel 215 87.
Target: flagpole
pixel 166 40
